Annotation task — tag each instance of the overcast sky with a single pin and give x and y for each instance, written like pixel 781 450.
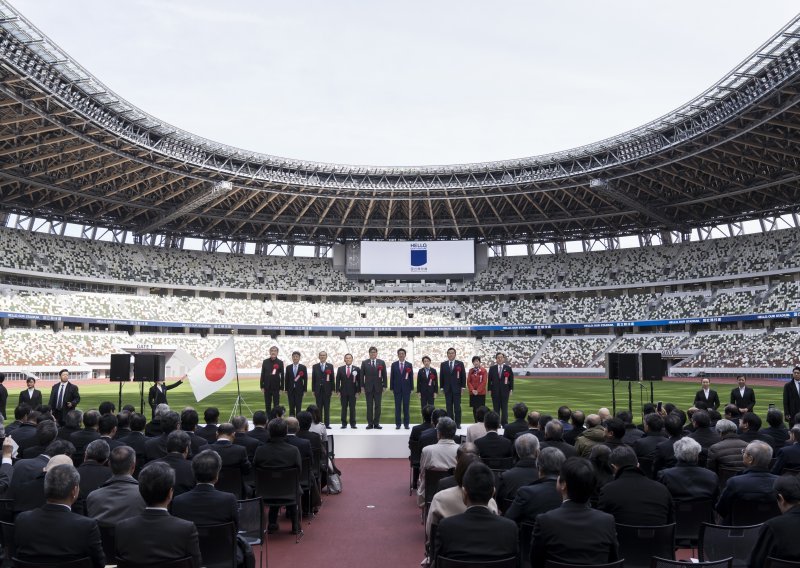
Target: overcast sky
pixel 411 82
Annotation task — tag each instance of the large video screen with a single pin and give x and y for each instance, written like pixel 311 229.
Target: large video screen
pixel 417 258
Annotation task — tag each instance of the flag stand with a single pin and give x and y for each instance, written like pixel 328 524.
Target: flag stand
pixel 239 404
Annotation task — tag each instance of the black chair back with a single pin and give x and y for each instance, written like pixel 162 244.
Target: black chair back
pixel 278 486
pixel 415 449
pixel 778 563
pixel 718 542
pixel 725 473
pixel 252 525
pixel 664 563
pixel 553 564
pixel 525 540
pixel 179 563
pixel 442 562
pixel 9 546
pixel 108 536
pixel 218 545
pixel 689 516
pixel 638 544
pixel 230 480
pixel 432 478
pixel 747 513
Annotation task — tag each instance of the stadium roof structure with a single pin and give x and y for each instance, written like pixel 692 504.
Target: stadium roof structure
pixel 73 150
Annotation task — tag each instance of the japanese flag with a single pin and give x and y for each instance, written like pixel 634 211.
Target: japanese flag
pixel 213 373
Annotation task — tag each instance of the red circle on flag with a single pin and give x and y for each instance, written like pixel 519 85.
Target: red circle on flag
pixel 215 369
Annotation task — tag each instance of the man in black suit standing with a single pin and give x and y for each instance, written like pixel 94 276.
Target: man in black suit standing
pixel 501 385
pixel 64 397
pixel 277 452
pixel 3 396
pixel 53 533
pixel 374 383
pixel 791 397
pixel 778 536
pixel 348 385
pixel 296 383
pixel 322 383
pixel 707 396
pixel 272 379
pixel 554 534
pixel 168 538
pixel 477 534
pixel 743 396
pixel 453 381
pixel 401 384
pixel 31 395
pixel 158 394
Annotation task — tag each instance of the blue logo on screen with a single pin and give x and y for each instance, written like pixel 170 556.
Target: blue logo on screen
pixel 419 254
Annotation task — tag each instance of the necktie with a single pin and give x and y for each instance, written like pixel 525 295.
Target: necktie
pixel 348 370
pixel 295 370
pixel 373 362
pixel 451 366
pixel 60 402
pixel 797 384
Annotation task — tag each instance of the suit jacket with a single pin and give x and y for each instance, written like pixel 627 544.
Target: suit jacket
pixel 156 447
pixel 205 505
pixel 277 453
pixel 501 381
pixel 441 455
pixel 322 378
pixel 348 385
pixel 116 500
pixel 156 536
pixel 647 445
pixel 427 381
pixel 747 401
pixel 34 401
pixel 207 432
pixel 455 381
pixel 316 443
pixel 184 476
pixel 260 434
pixel 138 442
pixel 788 456
pixel 417 430
pixel 81 439
pixel 295 383
pixel 523 473
pixel 712 402
pixel 778 538
pixel 751 484
pixel 791 400
pixel 304 447
pixel 232 455
pixel 71 395
pixel 93 475
pixel 373 377
pixel 156 396
pixel 271 375
pixel 249 443
pixel 634 499
pixel 687 482
pixel 477 535
pixel 554 536
pixel 25 435
pixel 514 429
pixel 566 449
pixel 3 401
pixel 402 378
pixel 196 443
pixel 54 533
pixel 493 445
pixel 532 500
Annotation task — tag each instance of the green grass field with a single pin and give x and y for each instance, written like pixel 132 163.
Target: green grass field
pixel 544 395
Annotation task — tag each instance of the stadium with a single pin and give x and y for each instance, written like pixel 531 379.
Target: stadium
pixel 679 238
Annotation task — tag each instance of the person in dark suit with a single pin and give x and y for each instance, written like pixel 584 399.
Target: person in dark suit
pixel 271 379
pixel 520 423
pixel 158 394
pixel 687 481
pixel 664 456
pixel 703 433
pixel 348 385
pixel 240 437
pixel 259 431
pixel 85 436
pixel 177 458
pixel 278 453
pixel 427 383
pixel 25 434
pixel 204 504
pixel 373 383
pixel 776 429
pixel 541 495
pixel 155 536
pixel 554 438
pixel 189 421
pixel 707 396
pixel 754 483
pixel 401 384
pixel 233 456
pixel 453 381
pixel 477 534
pixel 305 420
pixel 501 386
pixel 211 419
pixel 3 397
pixel 296 383
pixel 137 440
pixel 64 396
pixel 789 455
pixel 647 446
pixel 118 498
pixel 31 395
pixel 777 537
pixel 46 432
pixel 54 534
pixel 632 498
pixel 743 396
pixel 554 534
pixel 322 383
pixel 524 472
pixel 157 447
pixel 791 397
pixel 493 445
pixel 94 471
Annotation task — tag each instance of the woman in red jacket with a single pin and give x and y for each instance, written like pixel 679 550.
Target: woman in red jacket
pixel 476 384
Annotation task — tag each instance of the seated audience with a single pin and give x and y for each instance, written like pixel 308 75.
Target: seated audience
pixel 118 498
pixel 53 533
pixel 441 455
pixel 524 471
pixel 189 421
pixel 647 445
pixel 632 433
pixel 777 429
pixel 156 446
pixel 259 431
pixel 728 451
pixel 204 504
pixel 137 440
pixel 777 537
pixel 754 483
pixel 493 445
pixel 594 434
pixel 750 429
pixel 478 430
pixel 94 470
pixel 167 538
pixel 688 481
pixel 574 532
pixel 277 452
pixel 703 433
pixel 153 428
pixel 519 424
pixel 789 455
pixel 477 534
pixel 577 420
pixel 87 435
pixel 46 432
pixel 209 431
pixel 240 437
pixel 177 458
pixel 541 495
pixel 554 438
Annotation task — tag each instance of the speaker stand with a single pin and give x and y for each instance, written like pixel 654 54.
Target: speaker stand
pixel 120 397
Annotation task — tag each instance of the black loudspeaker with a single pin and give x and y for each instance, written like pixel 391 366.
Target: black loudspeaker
pixel 120 367
pixel 652 367
pixel 623 366
pixel 147 367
